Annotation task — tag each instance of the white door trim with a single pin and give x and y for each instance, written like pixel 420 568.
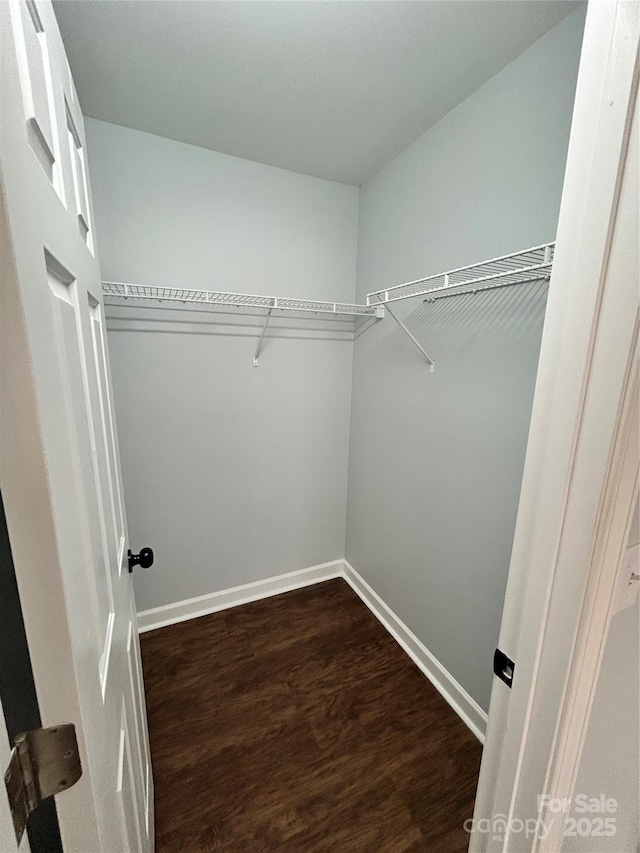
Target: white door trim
pixel 598 607
pixel 584 391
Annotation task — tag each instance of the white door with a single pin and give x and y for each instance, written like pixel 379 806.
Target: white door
pixel 59 462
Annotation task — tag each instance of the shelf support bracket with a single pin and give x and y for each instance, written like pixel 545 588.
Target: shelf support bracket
pixel 256 357
pixel 413 339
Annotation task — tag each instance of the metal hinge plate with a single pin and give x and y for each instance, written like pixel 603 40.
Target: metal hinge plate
pixel 43 762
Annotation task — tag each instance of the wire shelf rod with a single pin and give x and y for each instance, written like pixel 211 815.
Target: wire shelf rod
pixel 505 260
pixel 544 277
pixel 515 265
pixel 127 290
pixel 495 277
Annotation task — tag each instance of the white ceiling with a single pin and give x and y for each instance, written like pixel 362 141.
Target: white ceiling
pixel 331 89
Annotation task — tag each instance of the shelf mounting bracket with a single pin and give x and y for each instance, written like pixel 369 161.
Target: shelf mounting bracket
pixel 256 357
pixel 413 339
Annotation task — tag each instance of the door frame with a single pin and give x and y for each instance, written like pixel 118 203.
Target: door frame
pixel 581 471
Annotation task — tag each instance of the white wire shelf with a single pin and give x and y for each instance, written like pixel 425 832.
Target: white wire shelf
pixel 522 267
pixel 240 300
pixel 518 268
pixel 123 290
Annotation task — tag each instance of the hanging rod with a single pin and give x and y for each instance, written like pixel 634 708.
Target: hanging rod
pixel 239 300
pixel 542 277
pixel 517 268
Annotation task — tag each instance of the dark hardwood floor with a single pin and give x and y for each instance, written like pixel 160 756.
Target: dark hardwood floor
pixel 297 724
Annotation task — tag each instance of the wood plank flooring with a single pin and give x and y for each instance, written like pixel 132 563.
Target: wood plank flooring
pixel 297 724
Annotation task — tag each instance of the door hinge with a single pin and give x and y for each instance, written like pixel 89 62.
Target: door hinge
pixel 43 762
pixel 503 667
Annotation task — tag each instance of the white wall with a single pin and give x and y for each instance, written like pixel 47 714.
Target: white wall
pixel 436 459
pixel 231 473
pixel 178 214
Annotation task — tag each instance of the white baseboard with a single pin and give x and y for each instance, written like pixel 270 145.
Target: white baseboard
pixel 462 703
pixel 457 697
pixel 190 608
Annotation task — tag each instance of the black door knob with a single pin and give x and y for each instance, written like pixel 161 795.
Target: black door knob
pixel 144 559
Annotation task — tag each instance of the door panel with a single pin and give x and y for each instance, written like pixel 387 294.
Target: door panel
pixel 72 472
pixel 117 535
pixel 31 42
pixel 79 173
pixel 135 715
pixel 126 787
pixel 65 313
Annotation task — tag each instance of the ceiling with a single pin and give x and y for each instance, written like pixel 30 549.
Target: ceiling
pixel 330 89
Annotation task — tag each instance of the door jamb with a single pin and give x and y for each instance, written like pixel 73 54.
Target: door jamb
pixel 584 397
